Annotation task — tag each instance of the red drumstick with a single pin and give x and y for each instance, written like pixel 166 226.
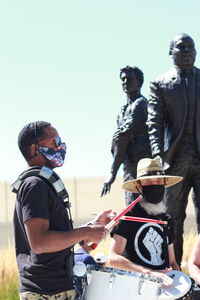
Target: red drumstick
pixel 117 218
pixel 145 220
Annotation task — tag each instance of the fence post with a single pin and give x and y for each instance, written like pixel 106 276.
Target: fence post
pixel 6 201
pixel 75 198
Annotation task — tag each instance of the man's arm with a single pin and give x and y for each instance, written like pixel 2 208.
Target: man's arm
pixel 155 120
pixel 43 240
pixel 172 259
pixel 117 260
pixel 194 262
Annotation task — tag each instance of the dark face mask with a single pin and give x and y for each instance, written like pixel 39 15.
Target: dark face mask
pixel 153 193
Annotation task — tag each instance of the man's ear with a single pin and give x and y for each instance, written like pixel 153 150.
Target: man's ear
pixel 33 150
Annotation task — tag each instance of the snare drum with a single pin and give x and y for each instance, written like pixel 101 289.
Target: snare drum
pixel 115 284
pixel 181 288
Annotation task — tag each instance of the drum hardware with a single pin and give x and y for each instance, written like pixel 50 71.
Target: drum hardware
pixel 88 278
pixel 116 284
pixel 111 280
pixel 140 285
pixel 79 269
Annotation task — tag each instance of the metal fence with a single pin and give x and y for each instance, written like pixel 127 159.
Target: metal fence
pixel 84 196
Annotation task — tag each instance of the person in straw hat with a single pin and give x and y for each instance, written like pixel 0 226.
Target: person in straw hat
pixel 146 247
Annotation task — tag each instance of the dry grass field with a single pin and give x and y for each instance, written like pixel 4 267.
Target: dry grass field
pixel 8 274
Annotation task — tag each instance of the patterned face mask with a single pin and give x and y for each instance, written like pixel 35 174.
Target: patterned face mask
pixel 55 155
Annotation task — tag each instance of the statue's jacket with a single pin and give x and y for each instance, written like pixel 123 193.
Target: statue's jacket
pixel 167 113
pixel 134 141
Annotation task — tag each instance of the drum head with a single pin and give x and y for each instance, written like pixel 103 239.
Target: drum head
pixel 182 284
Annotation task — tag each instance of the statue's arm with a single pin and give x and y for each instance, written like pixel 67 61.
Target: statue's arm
pixel 155 119
pixel 119 148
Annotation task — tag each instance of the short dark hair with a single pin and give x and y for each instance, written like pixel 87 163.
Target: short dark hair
pixel 138 73
pixel 30 134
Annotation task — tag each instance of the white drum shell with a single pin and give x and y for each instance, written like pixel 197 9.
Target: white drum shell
pixel 113 286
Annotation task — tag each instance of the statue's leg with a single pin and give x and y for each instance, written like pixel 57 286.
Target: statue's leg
pixel 130 174
pixel 176 198
pixel 196 192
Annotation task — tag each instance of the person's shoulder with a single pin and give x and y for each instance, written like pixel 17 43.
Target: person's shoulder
pixel 141 99
pixel 140 102
pixel 134 211
pixel 32 187
pixel 165 77
pixel 33 181
pixel 196 69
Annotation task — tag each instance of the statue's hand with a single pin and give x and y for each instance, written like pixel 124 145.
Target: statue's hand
pixel 107 184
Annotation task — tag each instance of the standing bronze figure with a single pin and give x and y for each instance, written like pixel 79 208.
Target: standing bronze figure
pixel 130 142
pixel 173 125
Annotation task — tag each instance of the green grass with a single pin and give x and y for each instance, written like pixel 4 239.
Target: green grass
pixel 8 274
pixel 9 291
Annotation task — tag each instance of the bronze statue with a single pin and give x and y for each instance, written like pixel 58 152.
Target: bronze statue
pixel 130 142
pixel 173 125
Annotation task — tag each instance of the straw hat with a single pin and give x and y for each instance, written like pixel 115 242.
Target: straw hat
pixel 148 168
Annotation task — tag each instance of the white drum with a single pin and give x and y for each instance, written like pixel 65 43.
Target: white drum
pixel 181 288
pixel 115 284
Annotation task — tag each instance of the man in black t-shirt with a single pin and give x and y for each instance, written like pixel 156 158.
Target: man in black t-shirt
pixel 146 247
pixel 43 230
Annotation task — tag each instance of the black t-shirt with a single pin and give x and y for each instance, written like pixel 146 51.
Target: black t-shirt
pixel 46 273
pixel 147 243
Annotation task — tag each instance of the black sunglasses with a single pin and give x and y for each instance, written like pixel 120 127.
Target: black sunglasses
pixel 56 139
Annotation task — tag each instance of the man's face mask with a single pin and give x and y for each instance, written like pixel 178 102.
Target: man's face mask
pixel 153 193
pixel 56 156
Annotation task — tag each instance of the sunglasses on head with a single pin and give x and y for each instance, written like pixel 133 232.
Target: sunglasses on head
pixel 57 139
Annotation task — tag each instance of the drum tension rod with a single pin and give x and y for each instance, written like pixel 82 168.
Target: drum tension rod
pixel 140 285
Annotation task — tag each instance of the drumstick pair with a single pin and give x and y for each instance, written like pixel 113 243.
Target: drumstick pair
pixel 117 218
pixel 136 219
pixel 121 216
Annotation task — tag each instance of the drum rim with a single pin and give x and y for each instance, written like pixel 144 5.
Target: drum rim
pixel 125 272
pixel 189 292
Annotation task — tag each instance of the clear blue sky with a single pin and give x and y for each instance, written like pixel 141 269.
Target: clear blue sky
pixel 60 61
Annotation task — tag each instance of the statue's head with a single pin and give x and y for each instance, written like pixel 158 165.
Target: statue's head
pixel 182 49
pixel 132 79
